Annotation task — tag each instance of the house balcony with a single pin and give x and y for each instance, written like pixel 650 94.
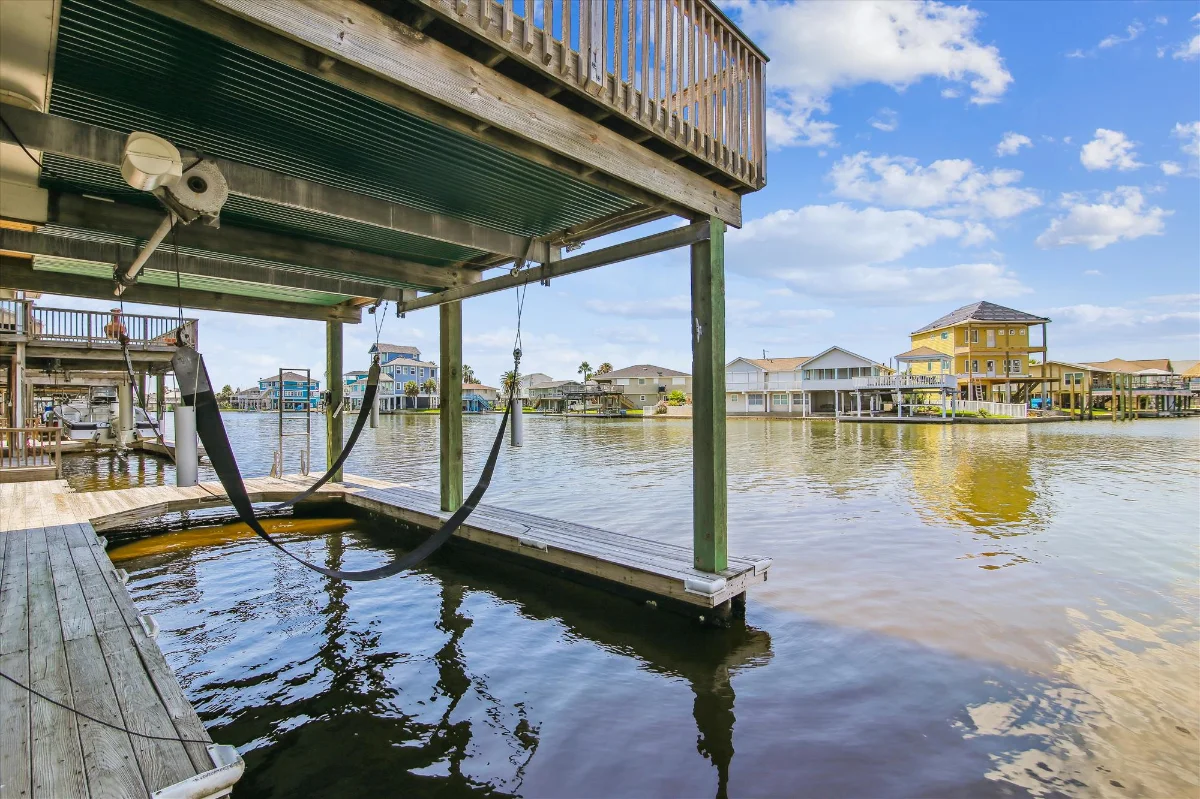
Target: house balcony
pixel 676 76
pixel 747 382
pixel 907 380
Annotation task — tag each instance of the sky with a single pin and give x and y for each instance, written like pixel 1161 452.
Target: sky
pixel 923 156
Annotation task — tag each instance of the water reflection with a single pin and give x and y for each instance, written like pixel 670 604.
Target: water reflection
pixel 293 703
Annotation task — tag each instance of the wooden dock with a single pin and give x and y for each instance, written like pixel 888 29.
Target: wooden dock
pixel 69 629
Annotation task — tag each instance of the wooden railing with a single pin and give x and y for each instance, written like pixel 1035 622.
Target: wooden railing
pixel 678 68
pixel 93 328
pixel 31 447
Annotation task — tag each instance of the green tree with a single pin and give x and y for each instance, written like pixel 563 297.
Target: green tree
pixel 604 368
pixel 585 369
pixel 430 386
pixel 468 374
pixel 510 381
pixel 676 397
pixel 411 390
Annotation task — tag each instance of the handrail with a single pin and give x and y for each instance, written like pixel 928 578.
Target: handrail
pixel 69 325
pixel 31 447
pixel 704 88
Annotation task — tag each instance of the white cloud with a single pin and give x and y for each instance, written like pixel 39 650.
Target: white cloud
pixel 1190 135
pixel 1066 139
pixel 1076 53
pixel 787 317
pixel 1170 167
pixel 952 186
pixel 950 94
pixel 1093 272
pixel 840 252
pixel 875 285
pixel 886 120
pixel 1109 149
pixel 1188 50
pixel 1160 20
pixel 820 47
pixel 1132 32
pixel 1012 142
pixel 1093 332
pixel 1119 215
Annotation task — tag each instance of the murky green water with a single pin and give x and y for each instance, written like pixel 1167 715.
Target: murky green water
pixel 967 611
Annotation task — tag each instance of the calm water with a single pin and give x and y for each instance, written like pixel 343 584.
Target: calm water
pixel 967 611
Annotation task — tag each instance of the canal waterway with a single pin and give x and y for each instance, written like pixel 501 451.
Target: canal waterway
pixel 952 611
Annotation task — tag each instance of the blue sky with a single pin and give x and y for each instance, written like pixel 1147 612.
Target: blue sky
pixel 923 156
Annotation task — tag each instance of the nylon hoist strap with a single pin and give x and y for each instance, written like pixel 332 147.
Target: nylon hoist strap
pixel 363 414
pixel 196 392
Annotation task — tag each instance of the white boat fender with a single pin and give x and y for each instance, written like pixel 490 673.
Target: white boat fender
pixel 149 625
pixel 703 587
pixel 217 781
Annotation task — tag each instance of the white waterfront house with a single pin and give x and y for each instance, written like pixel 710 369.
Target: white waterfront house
pixel 828 384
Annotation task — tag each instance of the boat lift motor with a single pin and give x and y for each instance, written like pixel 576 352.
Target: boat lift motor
pixel 151 163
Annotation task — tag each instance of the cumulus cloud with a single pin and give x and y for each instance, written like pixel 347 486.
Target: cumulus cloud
pixel 1012 142
pixel 820 47
pixel 1119 215
pixel 1170 167
pixel 1110 149
pixel 953 187
pixel 1089 332
pixel 675 307
pixel 886 120
pixel 839 252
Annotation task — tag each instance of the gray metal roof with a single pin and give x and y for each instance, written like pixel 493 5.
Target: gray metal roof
pixel 402 349
pixel 982 311
pixel 641 370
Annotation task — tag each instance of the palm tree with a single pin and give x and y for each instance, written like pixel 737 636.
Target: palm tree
pixel 510 381
pixel 411 390
pixel 468 374
pixel 430 386
pixel 585 369
pixel 604 368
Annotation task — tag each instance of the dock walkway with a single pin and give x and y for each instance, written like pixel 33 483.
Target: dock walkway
pixel 69 629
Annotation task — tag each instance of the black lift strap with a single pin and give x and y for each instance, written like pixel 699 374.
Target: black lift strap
pixel 196 392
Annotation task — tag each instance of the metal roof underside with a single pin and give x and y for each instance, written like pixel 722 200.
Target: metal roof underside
pixel 121 67
pixel 160 277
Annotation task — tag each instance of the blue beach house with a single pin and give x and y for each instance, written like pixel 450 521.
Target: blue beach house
pixel 403 364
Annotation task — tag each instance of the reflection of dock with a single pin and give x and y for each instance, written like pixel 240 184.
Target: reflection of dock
pixel 69 630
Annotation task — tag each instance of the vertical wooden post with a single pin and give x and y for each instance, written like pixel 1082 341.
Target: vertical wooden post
pixel 709 499
pixel 160 409
pixel 450 459
pixel 334 413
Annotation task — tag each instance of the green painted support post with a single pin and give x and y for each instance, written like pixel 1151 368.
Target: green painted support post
pixel 450 459
pixel 709 499
pixel 334 413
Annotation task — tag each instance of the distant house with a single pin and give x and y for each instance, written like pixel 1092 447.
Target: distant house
pixel 246 399
pixel 802 385
pixel 645 384
pixel 988 347
pixel 403 364
pixel 355 387
pixel 527 381
pixel 1156 384
pixel 478 398
pixel 298 393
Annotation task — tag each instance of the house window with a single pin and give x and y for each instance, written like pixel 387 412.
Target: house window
pixel 733 397
pixel 929 366
pixel 945 365
pixel 755 399
pixel 974 336
pixel 643 398
pixel 975 367
pixel 945 335
pixel 807 374
pixel 991 366
pixel 1012 332
pixel 779 399
pixel 797 399
pixel 641 381
pixel 842 374
pixel 1023 331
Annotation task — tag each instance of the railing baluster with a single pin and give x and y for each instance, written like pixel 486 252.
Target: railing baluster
pixel 630 36
pixel 618 48
pixel 506 20
pixel 548 31
pixel 669 35
pixel 644 106
pixel 566 38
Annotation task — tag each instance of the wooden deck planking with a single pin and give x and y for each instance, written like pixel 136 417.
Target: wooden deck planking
pixel 659 568
pixel 69 629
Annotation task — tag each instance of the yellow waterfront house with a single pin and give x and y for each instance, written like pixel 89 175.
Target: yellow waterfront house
pixel 988 347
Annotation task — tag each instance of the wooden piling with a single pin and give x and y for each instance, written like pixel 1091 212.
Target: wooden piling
pixel 334 413
pixel 709 500
pixel 450 453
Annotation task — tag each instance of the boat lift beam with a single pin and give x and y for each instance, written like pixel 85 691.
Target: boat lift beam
pixel 659 242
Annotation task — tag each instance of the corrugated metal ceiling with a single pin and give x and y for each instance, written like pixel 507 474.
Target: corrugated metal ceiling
pixel 122 67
